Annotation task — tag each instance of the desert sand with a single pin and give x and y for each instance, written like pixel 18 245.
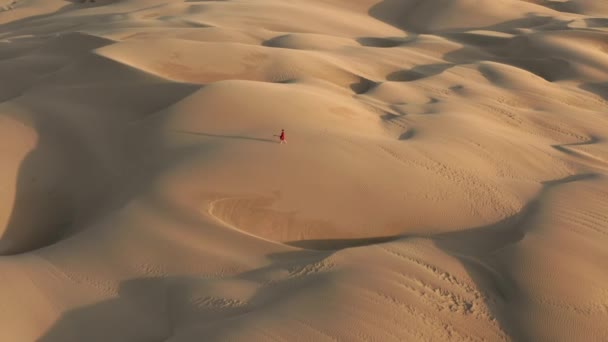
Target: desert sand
pixel 445 176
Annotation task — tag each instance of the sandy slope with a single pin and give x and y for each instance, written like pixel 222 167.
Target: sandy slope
pixel 444 177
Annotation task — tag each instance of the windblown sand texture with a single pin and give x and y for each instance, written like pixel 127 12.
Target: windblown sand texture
pixel 445 177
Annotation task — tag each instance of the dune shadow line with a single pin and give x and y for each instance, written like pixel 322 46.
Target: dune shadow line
pixel 337 244
pixel 225 136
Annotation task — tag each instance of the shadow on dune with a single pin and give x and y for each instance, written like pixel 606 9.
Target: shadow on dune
pixel 363 86
pixel 226 136
pixel 28 24
pixel 403 14
pixel 38 24
pixel 409 134
pixel 568 6
pixel 64 176
pixel 487 252
pixel 337 244
pixel 596 22
pixel 184 309
pixel 386 42
pixel 565 148
pixel 77 4
pixel 395 13
pixel 139 313
pixel 79 157
pixel 418 72
pixel 486 255
pixel 600 89
pixel 550 68
pixel 519 51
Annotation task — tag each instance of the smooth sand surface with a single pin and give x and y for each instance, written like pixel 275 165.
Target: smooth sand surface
pixel 445 176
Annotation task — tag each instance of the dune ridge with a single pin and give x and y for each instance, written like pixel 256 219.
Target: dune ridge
pixel 444 176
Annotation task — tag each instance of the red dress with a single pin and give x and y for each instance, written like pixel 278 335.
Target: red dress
pixel 282 137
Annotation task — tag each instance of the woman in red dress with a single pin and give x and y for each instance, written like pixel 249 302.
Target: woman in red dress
pixel 282 137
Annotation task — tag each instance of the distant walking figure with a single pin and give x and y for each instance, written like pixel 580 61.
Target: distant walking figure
pixel 282 137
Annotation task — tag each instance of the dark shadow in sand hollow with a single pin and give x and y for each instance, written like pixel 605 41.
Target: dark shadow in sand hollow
pixel 337 244
pixel 418 72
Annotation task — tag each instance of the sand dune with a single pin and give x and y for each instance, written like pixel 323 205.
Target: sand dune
pixel 444 176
